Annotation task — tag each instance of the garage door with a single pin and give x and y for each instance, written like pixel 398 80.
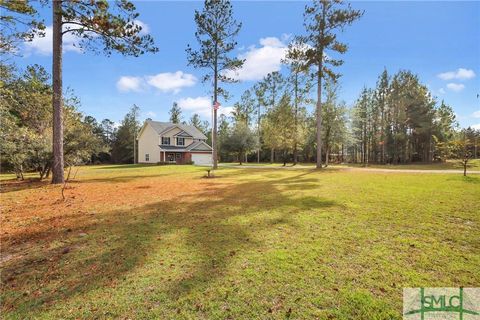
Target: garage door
pixel 202 159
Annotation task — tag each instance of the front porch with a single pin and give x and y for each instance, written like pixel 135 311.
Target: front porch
pixel 175 157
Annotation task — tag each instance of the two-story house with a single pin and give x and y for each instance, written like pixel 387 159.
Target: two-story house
pixel 172 143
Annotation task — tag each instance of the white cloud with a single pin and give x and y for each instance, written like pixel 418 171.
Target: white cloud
pixel 441 91
pixel 259 61
pixel 166 82
pixel 126 83
pixel 476 126
pixel 457 87
pixel 171 82
pixel 459 74
pixel 225 111
pixel 476 114
pixel 203 106
pixel 43 45
pixel 200 105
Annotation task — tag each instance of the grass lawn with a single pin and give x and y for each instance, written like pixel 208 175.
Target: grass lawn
pixel 144 242
pixel 474 165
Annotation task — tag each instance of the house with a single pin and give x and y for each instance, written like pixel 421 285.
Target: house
pixel 172 143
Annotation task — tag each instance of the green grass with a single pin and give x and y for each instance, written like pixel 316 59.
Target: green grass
pixel 165 243
pixel 474 165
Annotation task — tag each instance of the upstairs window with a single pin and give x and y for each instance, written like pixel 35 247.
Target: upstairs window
pixel 166 141
pixel 147 157
pixel 180 141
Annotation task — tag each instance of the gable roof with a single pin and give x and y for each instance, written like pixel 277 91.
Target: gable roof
pixel 162 127
pixel 199 146
pixel 183 133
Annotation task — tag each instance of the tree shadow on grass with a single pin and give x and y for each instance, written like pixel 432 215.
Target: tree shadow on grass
pixel 99 252
pixel 27 184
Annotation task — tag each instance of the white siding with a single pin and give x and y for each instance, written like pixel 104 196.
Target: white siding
pixel 148 144
pixel 173 140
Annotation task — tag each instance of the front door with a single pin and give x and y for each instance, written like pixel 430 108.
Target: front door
pixel 170 157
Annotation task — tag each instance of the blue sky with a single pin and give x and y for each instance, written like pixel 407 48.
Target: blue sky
pixel 439 41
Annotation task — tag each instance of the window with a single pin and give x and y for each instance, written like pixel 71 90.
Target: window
pixel 180 141
pixel 165 140
pixel 147 157
pixel 178 155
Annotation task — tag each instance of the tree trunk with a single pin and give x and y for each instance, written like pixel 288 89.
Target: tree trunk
pixel 319 115
pixel 295 143
pixel 258 131
pixel 272 155
pixel 58 162
pixel 215 97
pixel 327 154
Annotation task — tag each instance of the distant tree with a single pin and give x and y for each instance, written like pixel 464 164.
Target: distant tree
pixel 19 22
pixel 240 140
pixel 94 22
pixel 27 124
pixel 381 94
pixel 323 20
pixel 243 109
pixel 334 120
pixel 270 90
pixel 459 148
pixel 300 85
pixel 203 126
pixel 108 129
pixel 216 31
pixel 175 113
pixel 279 128
pixel 223 132
pixel 123 148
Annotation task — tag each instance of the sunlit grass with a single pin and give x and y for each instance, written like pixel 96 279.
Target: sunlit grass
pixel 163 242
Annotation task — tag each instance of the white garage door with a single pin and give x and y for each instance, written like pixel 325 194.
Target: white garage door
pixel 202 159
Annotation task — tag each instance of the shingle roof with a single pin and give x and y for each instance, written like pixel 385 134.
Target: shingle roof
pixel 192 147
pixel 199 146
pixel 182 133
pixel 161 127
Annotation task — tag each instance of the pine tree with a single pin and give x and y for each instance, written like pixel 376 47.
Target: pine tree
pixel 300 85
pixel 216 31
pixel 19 22
pixel 175 113
pixel 94 22
pixel 323 20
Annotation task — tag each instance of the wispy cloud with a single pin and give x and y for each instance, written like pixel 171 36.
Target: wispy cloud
pixel 259 61
pixel 476 114
pixel 459 74
pixel 476 126
pixel 456 87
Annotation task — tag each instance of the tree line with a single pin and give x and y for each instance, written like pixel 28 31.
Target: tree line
pixel 398 121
